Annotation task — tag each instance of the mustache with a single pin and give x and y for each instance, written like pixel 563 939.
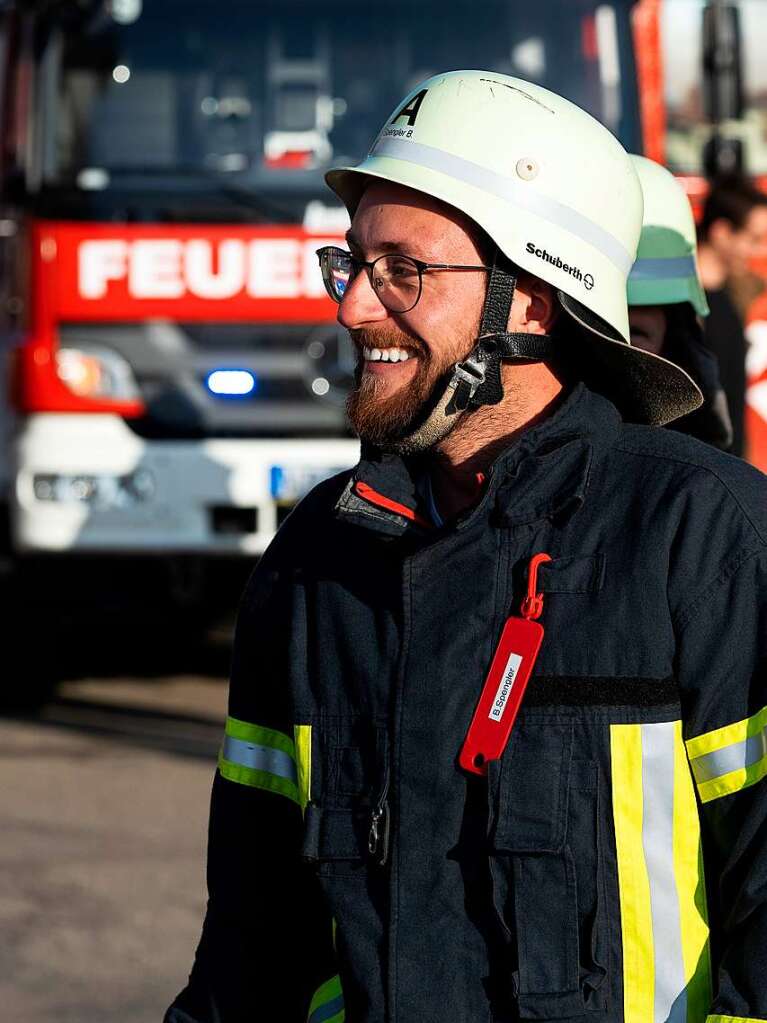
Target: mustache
pixel 386 338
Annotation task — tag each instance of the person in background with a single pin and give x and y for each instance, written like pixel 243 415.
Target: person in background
pixel 733 229
pixel 667 304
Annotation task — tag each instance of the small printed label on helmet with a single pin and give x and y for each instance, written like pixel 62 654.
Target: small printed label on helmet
pixel 586 279
pixel 397 133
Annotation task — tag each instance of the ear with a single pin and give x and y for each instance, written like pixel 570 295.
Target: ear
pixel 535 308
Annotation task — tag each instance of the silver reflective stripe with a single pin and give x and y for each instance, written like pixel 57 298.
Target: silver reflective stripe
pixel 511 191
pixel 662 269
pixel 658 843
pixel 735 757
pixel 260 758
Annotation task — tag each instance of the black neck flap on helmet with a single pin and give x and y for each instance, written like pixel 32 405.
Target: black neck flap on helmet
pixel 477 380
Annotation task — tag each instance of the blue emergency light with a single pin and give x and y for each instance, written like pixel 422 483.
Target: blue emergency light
pixel 231 383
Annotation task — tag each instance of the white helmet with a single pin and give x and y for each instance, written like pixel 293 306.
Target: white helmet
pixel 554 190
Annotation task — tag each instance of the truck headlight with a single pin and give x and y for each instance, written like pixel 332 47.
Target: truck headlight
pixel 97 373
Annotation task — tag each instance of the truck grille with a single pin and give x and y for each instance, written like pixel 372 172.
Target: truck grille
pixel 302 371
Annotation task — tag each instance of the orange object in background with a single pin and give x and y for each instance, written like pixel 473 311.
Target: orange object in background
pixel 648 55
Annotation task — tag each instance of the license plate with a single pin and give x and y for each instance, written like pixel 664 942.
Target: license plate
pixel 291 482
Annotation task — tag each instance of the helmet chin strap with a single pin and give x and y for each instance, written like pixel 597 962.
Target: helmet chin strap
pixel 476 381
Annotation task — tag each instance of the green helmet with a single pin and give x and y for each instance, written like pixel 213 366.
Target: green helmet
pixel 665 271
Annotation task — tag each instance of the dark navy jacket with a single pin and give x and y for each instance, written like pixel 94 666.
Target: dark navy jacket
pixel 613 864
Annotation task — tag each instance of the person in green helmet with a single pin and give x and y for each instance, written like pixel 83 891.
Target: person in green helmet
pixel 667 302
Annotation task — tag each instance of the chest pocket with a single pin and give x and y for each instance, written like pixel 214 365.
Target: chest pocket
pixel 547 874
pixel 572 575
pixel 349 781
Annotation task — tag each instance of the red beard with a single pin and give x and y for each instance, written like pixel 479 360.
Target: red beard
pixel 383 421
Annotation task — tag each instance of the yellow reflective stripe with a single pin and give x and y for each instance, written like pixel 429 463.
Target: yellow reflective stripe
pixel 327 1005
pixel 303 741
pixel 260 758
pixel 666 961
pixel 731 758
pixel 633 881
pixel 691 889
pixel 260 736
pixel 733 782
pixel 734 1019
pixel 709 742
pixel 257 779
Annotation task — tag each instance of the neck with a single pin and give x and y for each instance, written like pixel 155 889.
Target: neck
pixel 530 392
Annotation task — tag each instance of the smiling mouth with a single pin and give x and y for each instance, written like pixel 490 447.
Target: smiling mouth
pixel 387 354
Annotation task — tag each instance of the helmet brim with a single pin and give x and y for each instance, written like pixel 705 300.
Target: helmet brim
pixel 671 291
pixel 645 388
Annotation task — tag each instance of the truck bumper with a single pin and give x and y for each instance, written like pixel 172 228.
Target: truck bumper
pixel 88 483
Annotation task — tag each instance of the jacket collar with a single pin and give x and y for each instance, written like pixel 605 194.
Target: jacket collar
pixel 543 474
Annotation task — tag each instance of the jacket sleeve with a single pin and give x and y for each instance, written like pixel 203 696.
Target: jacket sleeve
pixel 266 950
pixel 722 647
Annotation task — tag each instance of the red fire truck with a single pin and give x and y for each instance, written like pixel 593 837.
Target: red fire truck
pixel 176 370
pixel 177 375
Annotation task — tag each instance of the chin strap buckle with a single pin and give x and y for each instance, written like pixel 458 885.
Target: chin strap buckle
pixel 477 380
pixel 468 376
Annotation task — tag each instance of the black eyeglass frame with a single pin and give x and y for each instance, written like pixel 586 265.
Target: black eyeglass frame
pixel 358 264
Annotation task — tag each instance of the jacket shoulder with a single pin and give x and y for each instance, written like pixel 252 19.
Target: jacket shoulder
pixel 323 498
pixel 313 515
pixel 296 539
pixel 714 479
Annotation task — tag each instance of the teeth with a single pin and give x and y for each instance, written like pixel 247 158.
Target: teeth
pixel 385 354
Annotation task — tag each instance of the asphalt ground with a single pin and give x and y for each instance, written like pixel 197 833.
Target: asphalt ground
pixel 103 810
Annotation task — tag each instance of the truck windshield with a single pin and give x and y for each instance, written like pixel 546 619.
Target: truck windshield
pixel 260 96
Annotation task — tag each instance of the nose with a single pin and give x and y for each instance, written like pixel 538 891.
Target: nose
pixel 360 304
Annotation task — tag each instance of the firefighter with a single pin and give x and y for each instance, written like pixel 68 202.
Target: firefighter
pixel 393 838
pixel 666 299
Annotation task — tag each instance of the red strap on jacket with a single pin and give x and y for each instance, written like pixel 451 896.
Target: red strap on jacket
pixel 367 493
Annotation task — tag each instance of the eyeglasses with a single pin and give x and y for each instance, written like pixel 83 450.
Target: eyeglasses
pixel 396 279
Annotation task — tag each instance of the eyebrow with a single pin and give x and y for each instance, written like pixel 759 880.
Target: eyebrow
pixel 405 248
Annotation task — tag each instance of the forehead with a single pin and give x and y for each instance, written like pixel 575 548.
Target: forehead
pixel 393 217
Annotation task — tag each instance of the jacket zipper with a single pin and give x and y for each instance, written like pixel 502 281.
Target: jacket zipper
pixel 378 835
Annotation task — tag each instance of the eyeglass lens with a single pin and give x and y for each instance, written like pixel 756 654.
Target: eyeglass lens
pixel 396 279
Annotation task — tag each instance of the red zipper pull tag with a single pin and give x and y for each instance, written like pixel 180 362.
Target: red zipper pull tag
pixel 504 688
